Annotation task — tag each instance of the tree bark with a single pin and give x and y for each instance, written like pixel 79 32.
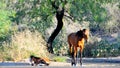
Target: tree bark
pixel 59 17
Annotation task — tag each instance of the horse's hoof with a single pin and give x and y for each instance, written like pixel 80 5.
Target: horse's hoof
pixel 32 64
pixel 73 64
pixel 81 64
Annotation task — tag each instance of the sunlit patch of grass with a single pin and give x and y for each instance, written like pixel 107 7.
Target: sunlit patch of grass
pixel 60 59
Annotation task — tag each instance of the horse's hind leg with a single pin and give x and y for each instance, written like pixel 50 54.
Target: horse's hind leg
pixel 72 58
pixel 70 47
pixel 74 53
pixel 71 50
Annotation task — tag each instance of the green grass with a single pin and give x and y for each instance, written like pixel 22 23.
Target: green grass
pixel 60 58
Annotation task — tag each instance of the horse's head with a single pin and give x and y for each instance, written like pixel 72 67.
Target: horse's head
pixel 85 34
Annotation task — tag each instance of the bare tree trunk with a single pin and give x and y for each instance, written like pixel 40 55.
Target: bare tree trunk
pixel 59 17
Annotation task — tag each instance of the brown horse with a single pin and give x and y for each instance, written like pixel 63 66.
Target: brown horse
pixel 75 41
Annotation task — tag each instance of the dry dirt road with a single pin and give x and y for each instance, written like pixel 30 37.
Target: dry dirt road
pixel 87 63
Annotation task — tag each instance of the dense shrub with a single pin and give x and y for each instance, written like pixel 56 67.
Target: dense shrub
pixel 102 49
pixel 22 45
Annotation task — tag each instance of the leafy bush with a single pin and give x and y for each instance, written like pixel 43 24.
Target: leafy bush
pixel 22 45
pixel 102 49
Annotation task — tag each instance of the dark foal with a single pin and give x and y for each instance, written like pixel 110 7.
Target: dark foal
pixel 75 41
pixel 37 60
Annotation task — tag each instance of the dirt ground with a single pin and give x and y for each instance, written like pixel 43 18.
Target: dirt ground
pixel 111 62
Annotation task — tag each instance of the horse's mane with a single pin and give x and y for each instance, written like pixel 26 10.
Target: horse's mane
pixel 80 34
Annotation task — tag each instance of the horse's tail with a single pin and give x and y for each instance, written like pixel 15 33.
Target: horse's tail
pixel 70 45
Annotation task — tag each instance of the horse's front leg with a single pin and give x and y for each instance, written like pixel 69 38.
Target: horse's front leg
pixel 80 56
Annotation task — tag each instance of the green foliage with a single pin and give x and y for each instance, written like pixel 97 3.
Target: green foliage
pixel 103 49
pixel 87 10
pixel 39 14
pixel 60 59
pixel 36 14
pixel 92 11
pixel 5 22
